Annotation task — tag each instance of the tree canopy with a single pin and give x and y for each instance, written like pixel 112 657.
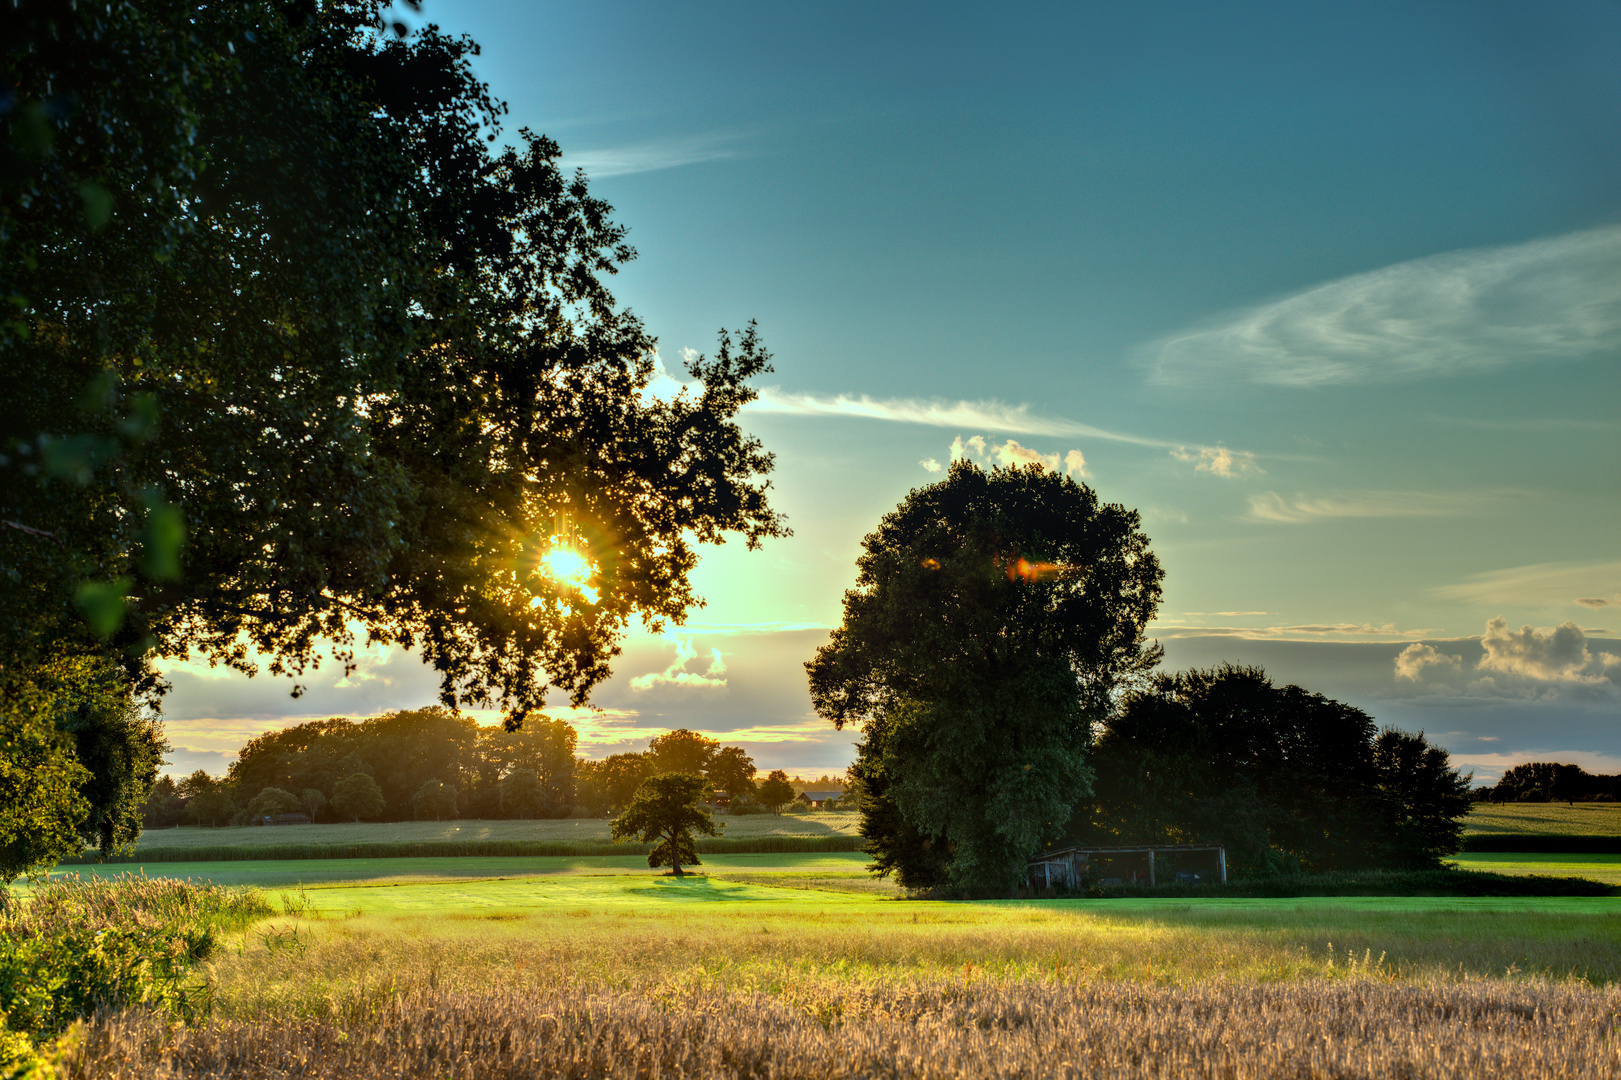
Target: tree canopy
pixel 1286 779
pixel 665 812
pixel 994 617
pixel 296 352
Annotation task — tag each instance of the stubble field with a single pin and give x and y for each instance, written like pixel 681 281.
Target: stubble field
pixel 779 968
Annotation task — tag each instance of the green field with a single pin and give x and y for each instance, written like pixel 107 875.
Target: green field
pixel 1583 819
pixel 1606 868
pixel 395 832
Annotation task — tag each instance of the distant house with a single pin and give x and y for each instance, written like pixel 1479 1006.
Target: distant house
pixel 820 800
pixel 1074 867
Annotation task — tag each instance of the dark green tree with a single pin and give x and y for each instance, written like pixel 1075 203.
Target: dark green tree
pixel 995 615
pixel 522 794
pixel 775 791
pixel 41 804
pixel 358 796
pixel 164 806
pixel 732 771
pixel 609 785
pixel 1421 798
pixel 682 751
pixel 434 799
pixel 665 812
pixel 272 801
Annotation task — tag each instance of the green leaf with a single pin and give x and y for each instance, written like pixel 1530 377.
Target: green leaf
pixel 103 604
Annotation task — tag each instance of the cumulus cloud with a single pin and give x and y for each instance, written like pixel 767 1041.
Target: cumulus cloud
pixel 1011 454
pixel 1551 299
pixel 1413 661
pixel 1541 663
pixel 1218 460
pixel 930 465
pixel 1301 509
pixel 1556 654
pixel 714 677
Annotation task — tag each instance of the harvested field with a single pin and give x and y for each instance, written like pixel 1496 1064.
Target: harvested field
pixel 1355 1027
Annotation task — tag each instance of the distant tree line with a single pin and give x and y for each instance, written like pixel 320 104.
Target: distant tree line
pixel 438 764
pixel 1549 781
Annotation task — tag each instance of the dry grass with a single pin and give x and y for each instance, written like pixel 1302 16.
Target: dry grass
pixel 1320 1028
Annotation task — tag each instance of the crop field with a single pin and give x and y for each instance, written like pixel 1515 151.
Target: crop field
pixel 1582 819
pixel 596 970
pixel 1606 868
pixel 395 832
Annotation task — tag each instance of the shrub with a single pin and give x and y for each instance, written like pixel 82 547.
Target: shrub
pixel 77 947
pixel 273 800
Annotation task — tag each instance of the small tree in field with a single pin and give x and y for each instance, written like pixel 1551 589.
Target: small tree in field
pixel 434 799
pixel 776 792
pixel 522 793
pixel 665 811
pixel 358 796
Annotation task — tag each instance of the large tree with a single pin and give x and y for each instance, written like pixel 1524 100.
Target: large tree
pixel 665 812
pixel 995 616
pixel 294 353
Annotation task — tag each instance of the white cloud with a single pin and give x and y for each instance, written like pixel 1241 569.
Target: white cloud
pixel 990 415
pixel 1474 310
pixel 1218 460
pixel 677 674
pixel 930 465
pixel 1011 455
pixel 1270 506
pixel 651 156
pixel 1537 585
pixel 1414 660
pixel 1556 654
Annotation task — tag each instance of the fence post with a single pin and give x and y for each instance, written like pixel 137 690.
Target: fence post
pixel 1151 866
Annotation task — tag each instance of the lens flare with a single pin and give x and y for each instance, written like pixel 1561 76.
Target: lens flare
pixel 568 565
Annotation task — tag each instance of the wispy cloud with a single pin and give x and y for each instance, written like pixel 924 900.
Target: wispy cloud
pixel 653 155
pixel 1301 509
pixel 1551 299
pixel 987 415
pixel 1540 584
pixel 1182 628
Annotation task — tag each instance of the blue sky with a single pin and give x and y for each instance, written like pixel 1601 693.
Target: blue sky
pixel 1332 293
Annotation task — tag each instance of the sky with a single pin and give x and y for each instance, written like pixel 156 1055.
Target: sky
pixel 1331 293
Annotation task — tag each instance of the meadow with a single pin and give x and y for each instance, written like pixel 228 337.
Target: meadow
pixel 617 971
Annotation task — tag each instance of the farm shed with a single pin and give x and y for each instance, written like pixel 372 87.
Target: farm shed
pixel 1070 867
pixel 820 799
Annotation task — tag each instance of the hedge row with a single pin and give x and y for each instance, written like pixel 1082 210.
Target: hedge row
pixel 464 848
pixel 1364 883
pixel 1543 843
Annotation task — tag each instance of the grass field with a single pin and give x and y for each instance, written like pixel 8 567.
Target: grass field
pixel 1606 868
pixel 578 829
pixel 597 967
pixel 1583 819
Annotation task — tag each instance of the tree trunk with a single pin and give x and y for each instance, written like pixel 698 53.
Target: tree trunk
pixel 675 857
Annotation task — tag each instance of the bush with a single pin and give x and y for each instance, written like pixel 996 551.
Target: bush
pixel 77 947
pixel 273 800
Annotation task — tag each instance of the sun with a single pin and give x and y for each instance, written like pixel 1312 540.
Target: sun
pixel 566 564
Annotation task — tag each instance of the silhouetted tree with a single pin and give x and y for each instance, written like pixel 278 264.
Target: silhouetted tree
pixel 682 751
pixel 435 799
pixel 272 801
pixel 994 615
pixel 732 771
pixel 522 794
